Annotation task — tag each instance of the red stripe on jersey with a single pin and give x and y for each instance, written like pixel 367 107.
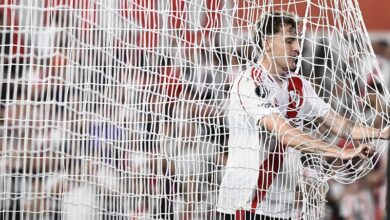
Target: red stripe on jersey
pixel 267 171
pixel 256 75
pixel 295 90
pixel 270 167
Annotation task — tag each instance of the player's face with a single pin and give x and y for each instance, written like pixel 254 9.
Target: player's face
pixel 283 49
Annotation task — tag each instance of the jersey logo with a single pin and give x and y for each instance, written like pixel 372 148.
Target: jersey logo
pixel 294 97
pixel 261 91
pixel 267 105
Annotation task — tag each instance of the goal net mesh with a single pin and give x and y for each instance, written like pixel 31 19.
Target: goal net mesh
pixel 120 109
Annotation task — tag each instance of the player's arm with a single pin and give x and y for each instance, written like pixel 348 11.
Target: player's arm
pixel 303 142
pixel 346 128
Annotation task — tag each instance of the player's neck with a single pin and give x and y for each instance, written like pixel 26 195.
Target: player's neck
pixel 276 72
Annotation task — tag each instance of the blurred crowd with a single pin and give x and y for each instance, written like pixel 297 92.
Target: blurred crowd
pixel 95 128
pixel 92 131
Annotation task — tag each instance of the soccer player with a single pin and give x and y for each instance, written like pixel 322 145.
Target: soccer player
pixel 267 106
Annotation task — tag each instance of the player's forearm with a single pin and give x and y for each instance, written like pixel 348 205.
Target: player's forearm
pixel 346 128
pixel 360 132
pixel 306 144
pixel 297 139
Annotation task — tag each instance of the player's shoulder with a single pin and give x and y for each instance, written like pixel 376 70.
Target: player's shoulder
pixel 249 79
pixel 254 74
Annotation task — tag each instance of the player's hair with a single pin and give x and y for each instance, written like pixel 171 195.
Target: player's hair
pixel 271 23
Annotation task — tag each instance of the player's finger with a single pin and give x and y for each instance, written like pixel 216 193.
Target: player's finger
pixel 372 150
pixel 363 156
pixel 369 150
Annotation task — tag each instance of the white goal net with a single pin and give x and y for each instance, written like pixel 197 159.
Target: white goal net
pixel 122 109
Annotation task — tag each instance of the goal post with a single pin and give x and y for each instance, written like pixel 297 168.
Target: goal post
pixel 122 109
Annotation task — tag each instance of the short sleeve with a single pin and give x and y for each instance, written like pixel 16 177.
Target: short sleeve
pixel 256 100
pixel 314 106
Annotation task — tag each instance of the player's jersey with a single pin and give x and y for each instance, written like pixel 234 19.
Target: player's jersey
pixel 261 175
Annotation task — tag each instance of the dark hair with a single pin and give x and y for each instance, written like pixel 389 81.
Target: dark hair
pixel 271 23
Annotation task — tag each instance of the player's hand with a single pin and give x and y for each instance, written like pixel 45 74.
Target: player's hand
pixel 363 151
pixel 385 133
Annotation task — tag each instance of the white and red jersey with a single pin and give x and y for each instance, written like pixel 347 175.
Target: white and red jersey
pixel 261 175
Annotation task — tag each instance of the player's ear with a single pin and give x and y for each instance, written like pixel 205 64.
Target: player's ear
pixel 267 44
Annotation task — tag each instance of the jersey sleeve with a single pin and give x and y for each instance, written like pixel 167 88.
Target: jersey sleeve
pixel 256 100
pixel 314 105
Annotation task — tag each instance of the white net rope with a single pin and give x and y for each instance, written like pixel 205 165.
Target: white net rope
pixel 125 109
